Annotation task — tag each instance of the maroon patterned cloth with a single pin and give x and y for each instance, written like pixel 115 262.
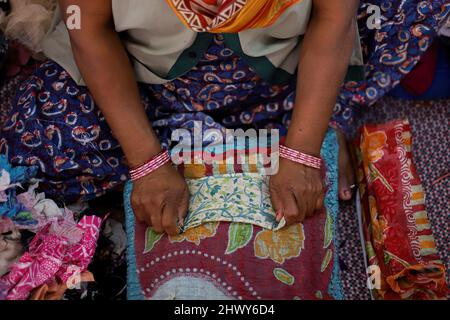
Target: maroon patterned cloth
pixel 429 124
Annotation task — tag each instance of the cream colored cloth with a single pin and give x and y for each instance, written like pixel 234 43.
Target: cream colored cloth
pixel 28 22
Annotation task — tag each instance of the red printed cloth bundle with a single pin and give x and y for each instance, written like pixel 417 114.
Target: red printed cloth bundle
pixel 400 247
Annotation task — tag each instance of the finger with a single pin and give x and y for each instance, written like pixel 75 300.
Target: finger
pixel 169 218
pixel 320 202
pixel 143 216
pixel 291 210
pixel 276 204
pixel 138 214
pixel 156 218
pixel 147 218
pixel 138 211
pixel 303 206
pixel 183 208
pixel 308 209
pixel 307 202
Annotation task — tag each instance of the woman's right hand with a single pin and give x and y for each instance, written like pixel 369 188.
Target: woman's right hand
pixel 161 199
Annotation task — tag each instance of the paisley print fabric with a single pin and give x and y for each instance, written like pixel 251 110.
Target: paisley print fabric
pixel 56 126
pixel 407 30
pixel 397 233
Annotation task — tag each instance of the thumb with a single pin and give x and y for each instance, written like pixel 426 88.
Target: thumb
pixel 320 202
pixel 276 204
pixel 183 208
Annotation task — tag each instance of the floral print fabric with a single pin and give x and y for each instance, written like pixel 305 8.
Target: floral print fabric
pixel 397 233
pixel 217 254
pixel 241 198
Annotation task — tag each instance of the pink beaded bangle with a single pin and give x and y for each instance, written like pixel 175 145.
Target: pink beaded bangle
pixel 153 164
pixel 299 157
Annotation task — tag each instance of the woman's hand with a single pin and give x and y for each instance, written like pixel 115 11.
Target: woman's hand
pixel 296 191
pixel 161 199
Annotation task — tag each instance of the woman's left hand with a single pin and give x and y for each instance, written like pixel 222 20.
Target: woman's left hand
pixel 296 191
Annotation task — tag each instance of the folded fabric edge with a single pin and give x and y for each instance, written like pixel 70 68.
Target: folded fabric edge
pixel 134 290
pixel 422 275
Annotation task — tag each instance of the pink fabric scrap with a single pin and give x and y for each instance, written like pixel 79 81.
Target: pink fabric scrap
pixel 52 257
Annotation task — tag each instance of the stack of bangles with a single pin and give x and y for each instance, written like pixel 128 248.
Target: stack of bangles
pixel 299 157
pixel 148 167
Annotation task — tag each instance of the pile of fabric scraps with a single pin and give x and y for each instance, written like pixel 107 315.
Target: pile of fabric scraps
pixel 60 249
pixel 109 264
pixel 400 247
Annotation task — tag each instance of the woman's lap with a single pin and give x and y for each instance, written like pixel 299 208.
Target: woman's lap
pixel 56 125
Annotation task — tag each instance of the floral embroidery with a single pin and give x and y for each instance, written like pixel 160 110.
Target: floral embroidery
pixel 239 235
pixel 379 223
pixel 284 276
pixel 151 238
pixel 326 260
pixel 328 234
pixel 280 245
pixel 372 148
pixel 197 234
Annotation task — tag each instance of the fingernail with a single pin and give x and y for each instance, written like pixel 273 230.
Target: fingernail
pixel 279 215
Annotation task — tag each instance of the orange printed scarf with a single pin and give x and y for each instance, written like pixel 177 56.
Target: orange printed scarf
pixel 229 16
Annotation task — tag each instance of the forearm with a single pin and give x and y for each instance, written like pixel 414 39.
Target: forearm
pixel 324 59
pixel 108 74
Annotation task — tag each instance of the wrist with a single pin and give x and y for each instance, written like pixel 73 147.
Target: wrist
pixel 305 140
pixel 307 160
pixel 150 166
pixel 307 146
pixel 142 152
